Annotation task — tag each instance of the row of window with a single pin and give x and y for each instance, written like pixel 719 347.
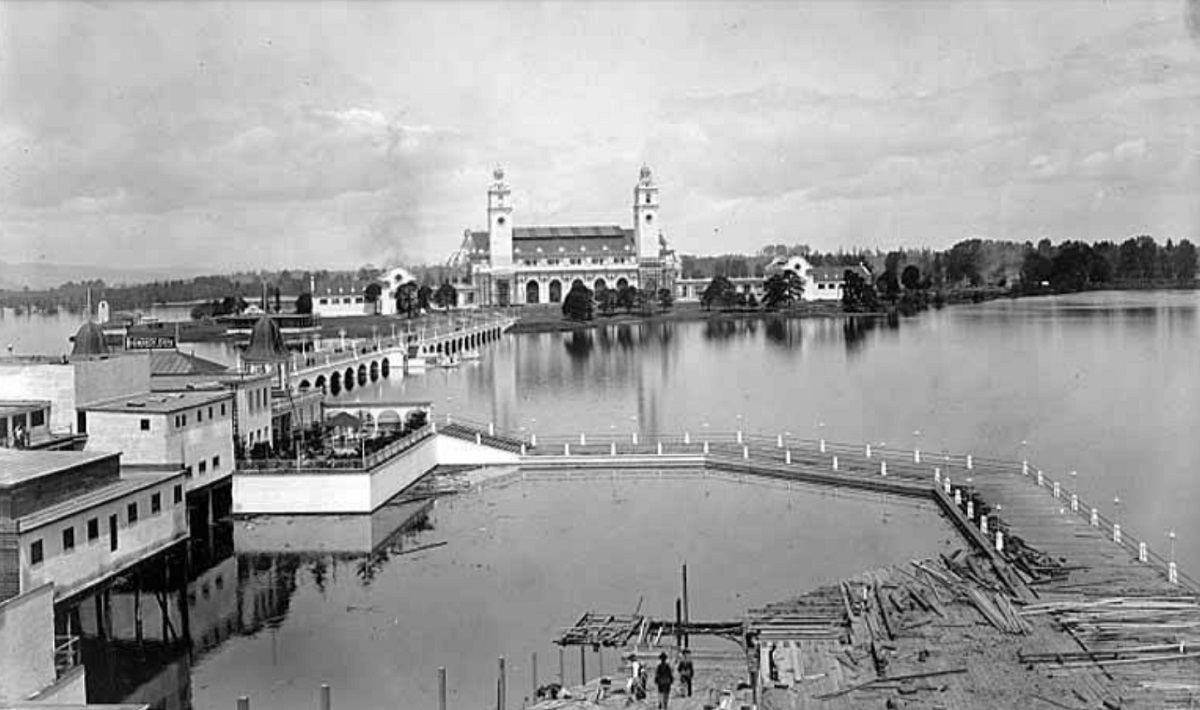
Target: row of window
pixel 335 301
pixel 202 467
pixel 575 261
pixel 563 249
pixel 37 549
pixel 259 398
pixel 181 420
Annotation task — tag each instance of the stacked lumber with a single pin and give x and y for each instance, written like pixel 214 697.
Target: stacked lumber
pixel 601 630
pixel 821 614
pixel 968 581
pixel 1034 566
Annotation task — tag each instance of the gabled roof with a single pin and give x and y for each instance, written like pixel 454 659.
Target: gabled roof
pixel 603 240
pixel 173 362
pixel 836 273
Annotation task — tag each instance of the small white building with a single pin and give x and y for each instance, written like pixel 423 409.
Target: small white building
pixel 189 429
pixel 347 297
pixel 821 283
pixel 69 384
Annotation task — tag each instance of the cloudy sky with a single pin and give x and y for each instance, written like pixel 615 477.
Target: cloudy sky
pixel 308 134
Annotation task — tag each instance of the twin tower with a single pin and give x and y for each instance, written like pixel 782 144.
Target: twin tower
pixel 646 234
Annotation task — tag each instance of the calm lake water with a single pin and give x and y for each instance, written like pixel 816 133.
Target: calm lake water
pixel 1107 384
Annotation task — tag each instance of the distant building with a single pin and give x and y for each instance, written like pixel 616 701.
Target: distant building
pixel 510 265
pixel 821 283
pixel 347 297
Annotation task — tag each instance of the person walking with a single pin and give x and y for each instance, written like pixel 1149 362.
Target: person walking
pixel 686 672
pixel 663 678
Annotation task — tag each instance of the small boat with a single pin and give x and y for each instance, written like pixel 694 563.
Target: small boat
pixel 471 355
pixel 448 360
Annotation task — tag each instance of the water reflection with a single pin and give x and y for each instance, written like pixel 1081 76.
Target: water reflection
pixel 142 632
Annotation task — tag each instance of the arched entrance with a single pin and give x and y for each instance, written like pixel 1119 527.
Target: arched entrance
pixel 556 291
pixel 599 285
pixel 532 291
pixel 305 384
pixel 576 282
pixel 348 379
pixel 335 384
pixel 622 282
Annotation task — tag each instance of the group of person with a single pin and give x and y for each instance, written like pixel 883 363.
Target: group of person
pixel 664 678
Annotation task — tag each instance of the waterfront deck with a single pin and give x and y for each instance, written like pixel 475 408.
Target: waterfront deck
pixel 1053 606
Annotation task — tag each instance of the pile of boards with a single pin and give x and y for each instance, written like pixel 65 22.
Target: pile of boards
pixel 967 580
pixel 1034 566
pixel 819 614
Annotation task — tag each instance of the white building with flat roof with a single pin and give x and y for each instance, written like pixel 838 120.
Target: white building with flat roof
pixel 193 430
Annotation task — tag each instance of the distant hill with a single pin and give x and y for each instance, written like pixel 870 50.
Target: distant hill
pixel 40 275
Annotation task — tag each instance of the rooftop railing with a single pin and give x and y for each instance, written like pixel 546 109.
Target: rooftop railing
pixel 362 462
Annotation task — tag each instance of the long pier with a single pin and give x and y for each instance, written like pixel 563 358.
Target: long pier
pixel 355 363
pixel 1053 601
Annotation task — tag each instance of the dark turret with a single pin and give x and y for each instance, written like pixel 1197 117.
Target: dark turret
pixel 89 340
pixel 266 343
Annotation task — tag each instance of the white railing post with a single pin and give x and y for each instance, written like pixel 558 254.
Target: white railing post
pixel 1041 480
pixel 1143 553
pixel 687 438
pixel 660 448
pixel 779 441
pixel 787 456
pixel 958 497
pixel 491 428
pixel 970 509
pixel 566 449
pixel 612 449
pixel 1074 502
pixel 937 475
pixel 745 452
pixel 821 444
pixel 522 448
pixel 479 438
pixel 883 468
pixel 739 436
pixel 916 456
pixel 970 462
pixel 582 439
pixel 1172 573
pixel 635 437
pixel 868 451
pixel 946 483
pixel 1095 520
pixel 1117 533
pixel 706 448
pixel 1024 468
pixel 983 524
pixel 1057 490
pixel 835 463
pixel 999 540
pixel 532 439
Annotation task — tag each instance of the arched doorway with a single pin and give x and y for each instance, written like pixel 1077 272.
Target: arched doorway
pixel 599 285
pixel 304 384
pixel 556 291
pixel 622 282
pixel 576 282
pixel 532 291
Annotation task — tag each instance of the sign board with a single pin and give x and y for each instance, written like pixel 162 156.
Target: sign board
pixel 150 342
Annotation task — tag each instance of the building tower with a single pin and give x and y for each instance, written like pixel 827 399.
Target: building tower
pixel 500 231
pixel 646 232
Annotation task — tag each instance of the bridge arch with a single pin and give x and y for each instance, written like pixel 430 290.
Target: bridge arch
pixel 362 374
pixel 385 367
pixel 320 381
pixel 305 384
pixel 389 418
pixel 335 384
pixel 374 370
pixel 599 284
pixel 348 379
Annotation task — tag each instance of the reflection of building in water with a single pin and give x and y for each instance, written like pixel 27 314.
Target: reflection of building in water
pixel 508 265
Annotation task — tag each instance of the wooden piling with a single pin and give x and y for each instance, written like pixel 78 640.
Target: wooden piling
pixel 243 702
pixel 442 688
pixel 582 665
pixel 562 665
pixel 501 703
pixel 326 700
pixel 534 673
pixel 686 615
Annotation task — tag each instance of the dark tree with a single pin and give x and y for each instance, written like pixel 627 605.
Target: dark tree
pixel 719 293
pixel 627 297
pixel 424 296
pixel 578 303
pixel 446 295
pixel 911 277
pixel 666 299
pixel 406 299
pixel 278 300
pixel 782 290
pixel 372 292
pixel 304 303
pixel 858 295
pixel 606 299
pixel 888 286
pixel 1184 261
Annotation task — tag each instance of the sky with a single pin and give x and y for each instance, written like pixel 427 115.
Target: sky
pixel 331 135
